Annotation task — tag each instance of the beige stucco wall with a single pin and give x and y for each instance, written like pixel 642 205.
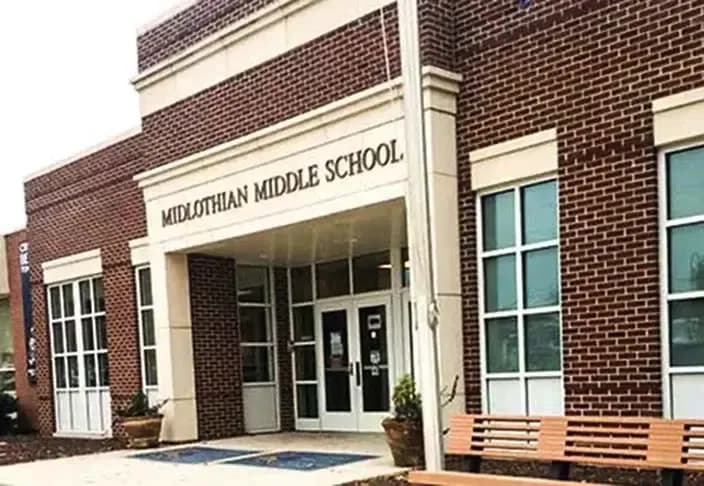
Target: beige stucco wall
pixel 4 280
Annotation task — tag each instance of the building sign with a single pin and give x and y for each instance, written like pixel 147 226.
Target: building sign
pixel 29 338
pixel 341 167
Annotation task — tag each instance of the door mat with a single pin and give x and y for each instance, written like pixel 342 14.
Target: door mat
pixel 194 455
pixel 300 460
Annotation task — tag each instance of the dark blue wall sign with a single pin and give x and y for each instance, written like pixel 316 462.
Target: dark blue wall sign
pixel 29 339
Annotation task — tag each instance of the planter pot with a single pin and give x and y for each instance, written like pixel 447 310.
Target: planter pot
pixel 405 438
pixel 143 432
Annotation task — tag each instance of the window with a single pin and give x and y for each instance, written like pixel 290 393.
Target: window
pixel 79 335
pixel 7 357
pixel 683 244
pixel 303 323
pixel 519 268
pixel 147 334
pixel 256 328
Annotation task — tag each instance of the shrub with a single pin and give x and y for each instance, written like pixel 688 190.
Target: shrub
pixel 407 403
pixel 139 407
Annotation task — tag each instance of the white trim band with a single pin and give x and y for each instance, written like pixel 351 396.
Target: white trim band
pixel 526 157
pixel 266 34
pixel 679 117
pixel 73 267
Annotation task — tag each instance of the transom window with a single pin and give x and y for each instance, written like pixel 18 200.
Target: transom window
pixel 683 240
pixel 147 335
pixel 520 307
pixel 256 324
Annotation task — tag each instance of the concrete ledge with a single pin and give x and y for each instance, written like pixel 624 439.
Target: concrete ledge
pixel 139 251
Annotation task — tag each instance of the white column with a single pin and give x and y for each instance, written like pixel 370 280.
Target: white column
pixel 417 207
pixel 172 316
pixel 440 106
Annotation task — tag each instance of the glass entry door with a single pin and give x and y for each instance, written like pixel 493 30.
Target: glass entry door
pixel 354 354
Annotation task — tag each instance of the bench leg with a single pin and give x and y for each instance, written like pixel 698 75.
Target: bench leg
pixel 672 477
pixel 560 470
pixel 475 464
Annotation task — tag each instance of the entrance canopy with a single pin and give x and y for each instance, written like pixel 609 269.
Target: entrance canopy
pixel 356 232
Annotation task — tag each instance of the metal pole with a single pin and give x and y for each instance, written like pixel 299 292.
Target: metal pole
pixel 419 232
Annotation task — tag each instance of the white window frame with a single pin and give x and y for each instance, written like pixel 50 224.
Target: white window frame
pixel 80 351
pixel 272 343
pixel 149 390
pixel 518 250
pixel 665 296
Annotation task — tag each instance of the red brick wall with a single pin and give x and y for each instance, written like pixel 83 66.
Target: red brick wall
pixel 216 346
pixel 341 63
pixel 26 392
pixel 91 203
pixel 283 338
pixel 591 69
pixel 190 26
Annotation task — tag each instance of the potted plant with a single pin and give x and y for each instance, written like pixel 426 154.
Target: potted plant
pixel 404 431
pixel 142 422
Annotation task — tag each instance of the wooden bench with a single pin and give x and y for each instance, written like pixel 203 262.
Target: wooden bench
pixel 672 446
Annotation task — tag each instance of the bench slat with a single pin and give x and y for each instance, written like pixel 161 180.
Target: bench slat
pixel 447 478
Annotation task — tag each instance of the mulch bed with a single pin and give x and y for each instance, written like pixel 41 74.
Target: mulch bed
pixel 588 474
pixel 28 448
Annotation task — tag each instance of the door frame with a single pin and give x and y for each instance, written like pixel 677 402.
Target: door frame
pixel 371 421
pixel 334 421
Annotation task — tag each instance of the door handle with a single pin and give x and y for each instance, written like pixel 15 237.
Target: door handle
pixel 358 370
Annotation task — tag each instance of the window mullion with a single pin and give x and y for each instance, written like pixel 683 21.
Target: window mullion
pixel 518 208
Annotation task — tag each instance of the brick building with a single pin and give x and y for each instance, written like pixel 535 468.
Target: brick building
pixel 245 252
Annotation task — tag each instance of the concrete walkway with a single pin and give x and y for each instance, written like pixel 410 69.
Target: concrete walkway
pixel 119 469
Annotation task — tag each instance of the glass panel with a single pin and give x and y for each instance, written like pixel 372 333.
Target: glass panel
pixel 71 345
pixel 687 258
pixel 148 328
pixel 254 325
pixel 257 364
pixel 307 401
pixel 55 300
pixel 87 327
pixel 540 281
pixel 73 378
pixel 101 332
pixel 500 283
pixel 150 374
pixel 60 368
pixel 305 363
pixel 99 295
pixel 406 268
pixel 499 221
pixel 686 183
pixel 502 345
pixel 301 284
pixel 375 363
pixel 372 272
pixel 67 291
pixel 542 334
pixel 58 337
pixel 145 287
pixel 89 365
pixel 253 284
pixel 539 212
pixel 336 361
pixel 333 279
pixel 103 371
pixel 84 293
pixel 303 324
pixel 687 333
pixel 7 381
